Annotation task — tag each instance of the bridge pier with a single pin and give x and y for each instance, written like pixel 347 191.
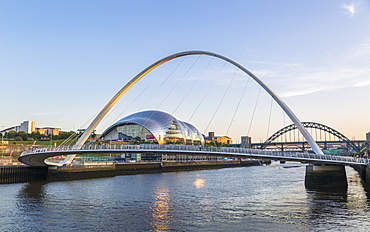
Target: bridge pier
pixel 364 172
pixel 325 176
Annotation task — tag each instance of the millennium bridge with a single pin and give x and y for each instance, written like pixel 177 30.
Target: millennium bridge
pixel 38 157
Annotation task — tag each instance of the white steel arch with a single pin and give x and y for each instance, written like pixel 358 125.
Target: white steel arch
pixel 134 80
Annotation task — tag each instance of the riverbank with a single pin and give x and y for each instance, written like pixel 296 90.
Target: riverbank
pixel 364 172
pixel 19 174
pixel 117 169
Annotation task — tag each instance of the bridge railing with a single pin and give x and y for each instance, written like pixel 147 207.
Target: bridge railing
pixel 220 150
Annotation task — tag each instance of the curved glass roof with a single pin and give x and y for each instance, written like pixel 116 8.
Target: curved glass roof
pixel 162 125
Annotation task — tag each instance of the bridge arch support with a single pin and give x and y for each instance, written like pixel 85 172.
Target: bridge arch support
pixel 313 125
pixel 147 70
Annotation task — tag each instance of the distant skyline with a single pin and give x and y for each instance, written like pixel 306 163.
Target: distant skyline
pixel 62 61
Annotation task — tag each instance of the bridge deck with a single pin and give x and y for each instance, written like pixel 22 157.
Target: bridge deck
pixel 36 157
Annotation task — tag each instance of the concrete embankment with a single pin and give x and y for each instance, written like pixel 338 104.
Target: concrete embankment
pixel 364 172
pixel 17 174
pixel 88 171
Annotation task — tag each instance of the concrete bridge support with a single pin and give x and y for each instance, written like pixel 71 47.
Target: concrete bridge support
pixel 326 176
pixel 364 172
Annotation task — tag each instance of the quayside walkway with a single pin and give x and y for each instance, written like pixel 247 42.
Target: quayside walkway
pixel 36 157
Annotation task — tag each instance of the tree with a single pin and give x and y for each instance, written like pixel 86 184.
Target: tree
pixel 23 135
pixel 216 144
pixel 63 136
pixel 11 134
pixel 35 135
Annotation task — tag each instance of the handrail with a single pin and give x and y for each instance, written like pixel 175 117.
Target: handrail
pixel 200 149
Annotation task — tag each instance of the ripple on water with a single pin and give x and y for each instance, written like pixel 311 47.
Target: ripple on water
pixel 262 198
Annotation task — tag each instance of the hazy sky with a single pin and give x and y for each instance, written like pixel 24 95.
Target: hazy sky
pixel 62 61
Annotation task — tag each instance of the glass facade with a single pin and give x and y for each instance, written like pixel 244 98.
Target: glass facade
pixel 153 127
pixel 134 132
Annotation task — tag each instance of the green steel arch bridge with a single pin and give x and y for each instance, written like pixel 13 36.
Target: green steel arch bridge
pixel 284 140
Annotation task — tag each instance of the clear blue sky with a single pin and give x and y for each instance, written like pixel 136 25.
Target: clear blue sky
pixel 61 61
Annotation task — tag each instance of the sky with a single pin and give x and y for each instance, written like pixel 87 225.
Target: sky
pixel 62 61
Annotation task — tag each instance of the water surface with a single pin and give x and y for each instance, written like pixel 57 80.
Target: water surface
pixel 262 198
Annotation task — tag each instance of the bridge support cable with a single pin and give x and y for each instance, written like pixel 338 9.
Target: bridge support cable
pixel 162 83
pixel 254 111
pixel 173 88
pixel 72 137
pixel 194 84
pixel 268 124
pixel 238 105
pixel 131 103
pixel 222 99
pixel 147 70
pixel 157 89
pixel 115 99
pixel 284 114
pixel 152 80
pixel 178 82
pixel 205 94
pixel 134 100
pixel 170 75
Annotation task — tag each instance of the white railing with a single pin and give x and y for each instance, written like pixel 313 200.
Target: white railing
pixel 200 149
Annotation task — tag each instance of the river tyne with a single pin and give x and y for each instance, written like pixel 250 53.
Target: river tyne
pixel 259 198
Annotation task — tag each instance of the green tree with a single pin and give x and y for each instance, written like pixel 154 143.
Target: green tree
pixel 11 134
pixel 63 136
pixel 23 135
pixel 35 135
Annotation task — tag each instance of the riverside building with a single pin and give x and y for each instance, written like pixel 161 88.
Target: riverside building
pixel 155 127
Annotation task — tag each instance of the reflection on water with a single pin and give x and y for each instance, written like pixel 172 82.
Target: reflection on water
pixel 161 207
pixel 330 208
pixel 356 197
pixel 260 198
pixel 199 183
pixel 34 190
pixel 31 196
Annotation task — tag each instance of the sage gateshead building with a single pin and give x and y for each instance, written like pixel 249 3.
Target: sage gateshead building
pixel 153 126
pixel 156 127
